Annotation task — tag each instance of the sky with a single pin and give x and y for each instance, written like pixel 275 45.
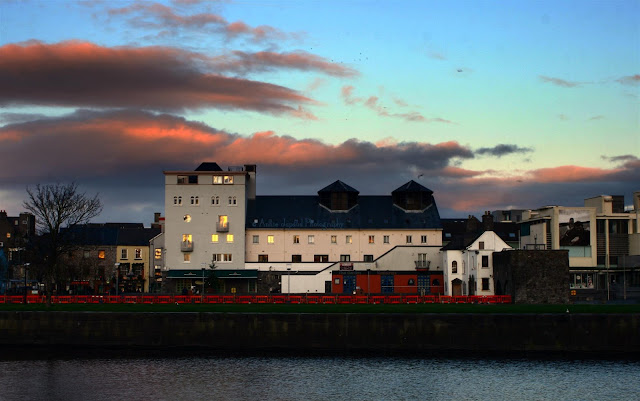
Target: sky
pixel 490 104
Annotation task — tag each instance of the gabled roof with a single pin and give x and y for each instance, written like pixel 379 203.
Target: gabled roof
pixel 338 186
pixel 461 242
pixel 208 166
pixel 136 236
pixel 306 212
pixel 412 186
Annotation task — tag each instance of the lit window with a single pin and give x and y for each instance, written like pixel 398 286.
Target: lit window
pixel 256 239
pixel 138 253
pixel 228 179
pixel 157 253
pixel 124 254
pixel 296 239
pixel 223 221
pixel 229 237
pixel 263 258
pixel 334 239
pixel 100 254
pixel 187 238
pixel 349 239
pixel 312 239
pixel 86 254
pixel 385 239
pixel 270 239
pixel 423 239
pixel 217 179
pixel 187 218
pixel 409 239
pixel 214 237
pixel 372 239
pixel 187 257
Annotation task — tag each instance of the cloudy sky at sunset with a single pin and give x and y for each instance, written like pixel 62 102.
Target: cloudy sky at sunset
pixel 490 104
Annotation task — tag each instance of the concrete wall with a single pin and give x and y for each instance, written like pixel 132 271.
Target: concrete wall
pixel 469 333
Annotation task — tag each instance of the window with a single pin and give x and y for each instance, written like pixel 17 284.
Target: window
pixel 485 284
pixel 196 200
pixel 216 257
pixel 229 237
pixel 312 239
pixel 86 254
pixel 296 258
pixel 372 239
pixel 187 218
pixel 226 257
pixel 187 257
pixel 485 260
pixel 157 253
pixel 228 179
pixel 138 252
pixel 263 258
pixel 214 238
pixel 368 258
pixel 423 239
pixel 296 239
pixel 270 239
pixel 232 201
pixel 256 239
pixel 334 239
pixel 349 239
pixel 100 254
pixel 223 222
pixel 337 281
pixel 409 239
pixel 454 267
pixel 124 254
pixel 215 200
pixel 217 179
pixel 177 200
pixel 187 179
pixel 345 258
pixel 320 258
pixel 385 239
pixel 481 245
pixel 187 238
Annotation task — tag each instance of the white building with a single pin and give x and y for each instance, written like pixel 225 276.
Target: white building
pixel 468 264
pixel 299 244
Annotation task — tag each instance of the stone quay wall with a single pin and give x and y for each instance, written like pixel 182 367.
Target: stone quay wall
pixel 337 332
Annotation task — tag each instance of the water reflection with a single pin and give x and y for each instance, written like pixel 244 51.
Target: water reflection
pixel 316 378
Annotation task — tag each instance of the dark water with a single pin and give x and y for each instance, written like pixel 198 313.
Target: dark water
pixel 318 378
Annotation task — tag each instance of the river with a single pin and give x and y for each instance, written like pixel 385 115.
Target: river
pixel 317 378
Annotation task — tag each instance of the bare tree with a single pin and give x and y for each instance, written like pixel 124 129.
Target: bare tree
pixel 58 206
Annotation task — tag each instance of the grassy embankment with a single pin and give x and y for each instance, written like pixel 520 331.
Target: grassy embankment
pixel 316 308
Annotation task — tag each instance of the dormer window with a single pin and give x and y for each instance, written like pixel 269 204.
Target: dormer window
pixel 338 196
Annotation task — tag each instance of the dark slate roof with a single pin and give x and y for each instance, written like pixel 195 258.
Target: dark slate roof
pixel 208 166
pixel 460 242
pixel 136 236
pixel 459 233
pixel 338 186
pixel 305 212
pixel 412 186
pixel 92 234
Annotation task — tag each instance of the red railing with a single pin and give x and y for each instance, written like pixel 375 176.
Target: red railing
pixel 258 299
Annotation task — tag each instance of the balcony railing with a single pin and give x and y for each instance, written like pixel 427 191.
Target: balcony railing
pixel 422 264
pixel 186 246
pixel 222 227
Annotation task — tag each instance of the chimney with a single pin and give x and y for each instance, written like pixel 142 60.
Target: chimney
pixel 156 217
pixel 472 224
pixel 487 221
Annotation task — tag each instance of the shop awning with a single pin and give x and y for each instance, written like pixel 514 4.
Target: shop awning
pixel 221 274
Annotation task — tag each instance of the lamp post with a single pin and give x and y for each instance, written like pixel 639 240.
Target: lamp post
pixel 202 293
pixel 288 283
pixel 368 284
pixel 26 266
pixel 117 277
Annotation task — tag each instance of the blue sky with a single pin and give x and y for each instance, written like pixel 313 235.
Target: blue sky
pixel 497 104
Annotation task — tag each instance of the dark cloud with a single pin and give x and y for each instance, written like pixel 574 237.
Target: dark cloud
pixel 629 80
pixel 502 150
pixel 83 74
pixel 560 82
pixel 243 62
pixel 621 158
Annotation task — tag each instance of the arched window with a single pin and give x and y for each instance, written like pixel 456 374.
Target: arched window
pixel 215 200
pixel 179 200
pixel 197 200
pixel 193 200
pixel 175 200
pixel 454 267
pixel 232 200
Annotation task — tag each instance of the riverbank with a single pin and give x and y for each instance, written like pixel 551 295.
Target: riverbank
pixel 465 333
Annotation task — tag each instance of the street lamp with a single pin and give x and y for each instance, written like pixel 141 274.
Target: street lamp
pixel 26 266
pixel 288 282
pixel 368 283
pixel 117 277
pixel 202 293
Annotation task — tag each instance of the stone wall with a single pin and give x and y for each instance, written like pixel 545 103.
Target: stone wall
pixel 532 277
pixel 588 334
